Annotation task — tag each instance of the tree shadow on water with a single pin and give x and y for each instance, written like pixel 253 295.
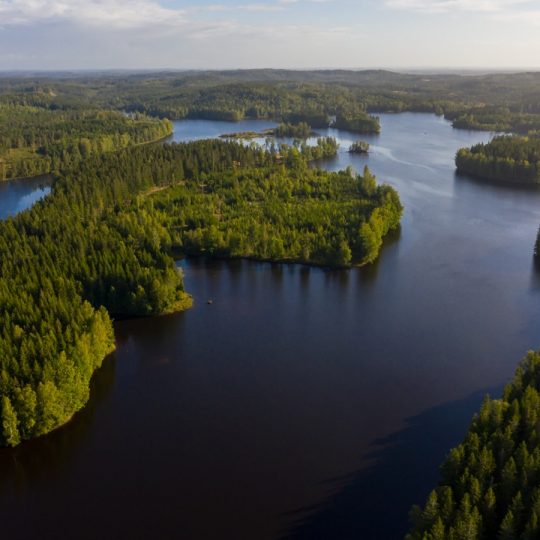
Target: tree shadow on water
pixel 374 502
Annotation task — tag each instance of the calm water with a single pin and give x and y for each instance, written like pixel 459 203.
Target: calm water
pixel 18 195
pixel 303 403
pixel 194 130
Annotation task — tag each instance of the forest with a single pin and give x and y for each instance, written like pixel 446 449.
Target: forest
pixel 288 213
pixel 301 130
pixel 359 147
pixel 500 119
pixel 316 105
pixel 506 102
pixel 510 158
pixel 36 140
pixel 490 483
pixel 101 246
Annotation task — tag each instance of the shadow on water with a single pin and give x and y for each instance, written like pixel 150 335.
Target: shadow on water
pixel 368 274
pixel 495 184
pixel 535 273
pixel 374 502
pixel 45 458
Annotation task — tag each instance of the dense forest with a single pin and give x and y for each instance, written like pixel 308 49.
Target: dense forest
pixel 495 119
pixel 506 158
pixel 359 147
pixel 37 140
pixel 301 130
pixel 316 105
pixel 101 245
pixel 490 485
pixel 504 102
pixel 290 213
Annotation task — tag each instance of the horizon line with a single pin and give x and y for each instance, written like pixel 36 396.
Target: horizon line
pixel 410 69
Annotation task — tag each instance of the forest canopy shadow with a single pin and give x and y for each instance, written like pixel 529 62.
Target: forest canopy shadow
pixel 374 503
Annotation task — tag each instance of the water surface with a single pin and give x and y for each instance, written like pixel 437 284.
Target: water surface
pixel 195 130
pixel 18 195
pixel 302 403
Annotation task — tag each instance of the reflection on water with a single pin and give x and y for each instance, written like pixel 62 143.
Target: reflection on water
pixel 371 503
pixel 18 195
pixel 45 463
pixel 302 402
pixel 194 130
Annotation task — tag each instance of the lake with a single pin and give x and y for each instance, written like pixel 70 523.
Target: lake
pixel 302 403
pixel 18 195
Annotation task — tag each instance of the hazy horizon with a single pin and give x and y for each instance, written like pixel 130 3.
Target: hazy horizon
pixel 389 69
pixel 399 35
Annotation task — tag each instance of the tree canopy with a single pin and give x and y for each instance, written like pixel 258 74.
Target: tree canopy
pixel 490 483
pixel 508 158
pixel 102 243
pixel 37 140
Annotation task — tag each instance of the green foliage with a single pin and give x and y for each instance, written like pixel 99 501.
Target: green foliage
pixel 352 117
pixel 501 102
pixel 506 158
pixel 37 140
pixel 298 131
pixel 202 96
pixel 496 119
pixel 101 244
pixel 490 482
pixel 359 147
pixel 284 211
pixel 10 430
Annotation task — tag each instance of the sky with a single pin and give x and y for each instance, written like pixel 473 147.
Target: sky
pixel 302 34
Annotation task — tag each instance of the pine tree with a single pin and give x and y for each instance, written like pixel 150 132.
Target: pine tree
pixel 508 528
pixel 10 431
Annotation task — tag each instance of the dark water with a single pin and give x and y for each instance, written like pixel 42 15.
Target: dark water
pixel 303 403
pixel 18 195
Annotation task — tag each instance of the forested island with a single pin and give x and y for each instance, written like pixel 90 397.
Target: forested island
pixel 300 131
pixel 490 483
pixel 36 140
pixel 359 147
pixel 509 158
pixel 101 245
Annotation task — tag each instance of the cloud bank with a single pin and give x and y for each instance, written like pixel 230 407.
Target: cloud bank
pixel 69 34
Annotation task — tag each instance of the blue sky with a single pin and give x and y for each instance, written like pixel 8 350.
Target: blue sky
pixel 219 34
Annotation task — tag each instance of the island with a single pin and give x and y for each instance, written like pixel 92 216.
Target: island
pixel 301 131
pixel 507 158
pixel 246 135
pixel 359 147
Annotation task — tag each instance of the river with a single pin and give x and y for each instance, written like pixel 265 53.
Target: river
pixel 302 403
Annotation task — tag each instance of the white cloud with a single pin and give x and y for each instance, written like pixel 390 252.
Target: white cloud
pixel 265 33
pixel 115 13
pixel 124 13
pixel 439 6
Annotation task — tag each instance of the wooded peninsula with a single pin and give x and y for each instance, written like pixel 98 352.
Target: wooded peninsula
pixel 490 483
pixel 101 245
